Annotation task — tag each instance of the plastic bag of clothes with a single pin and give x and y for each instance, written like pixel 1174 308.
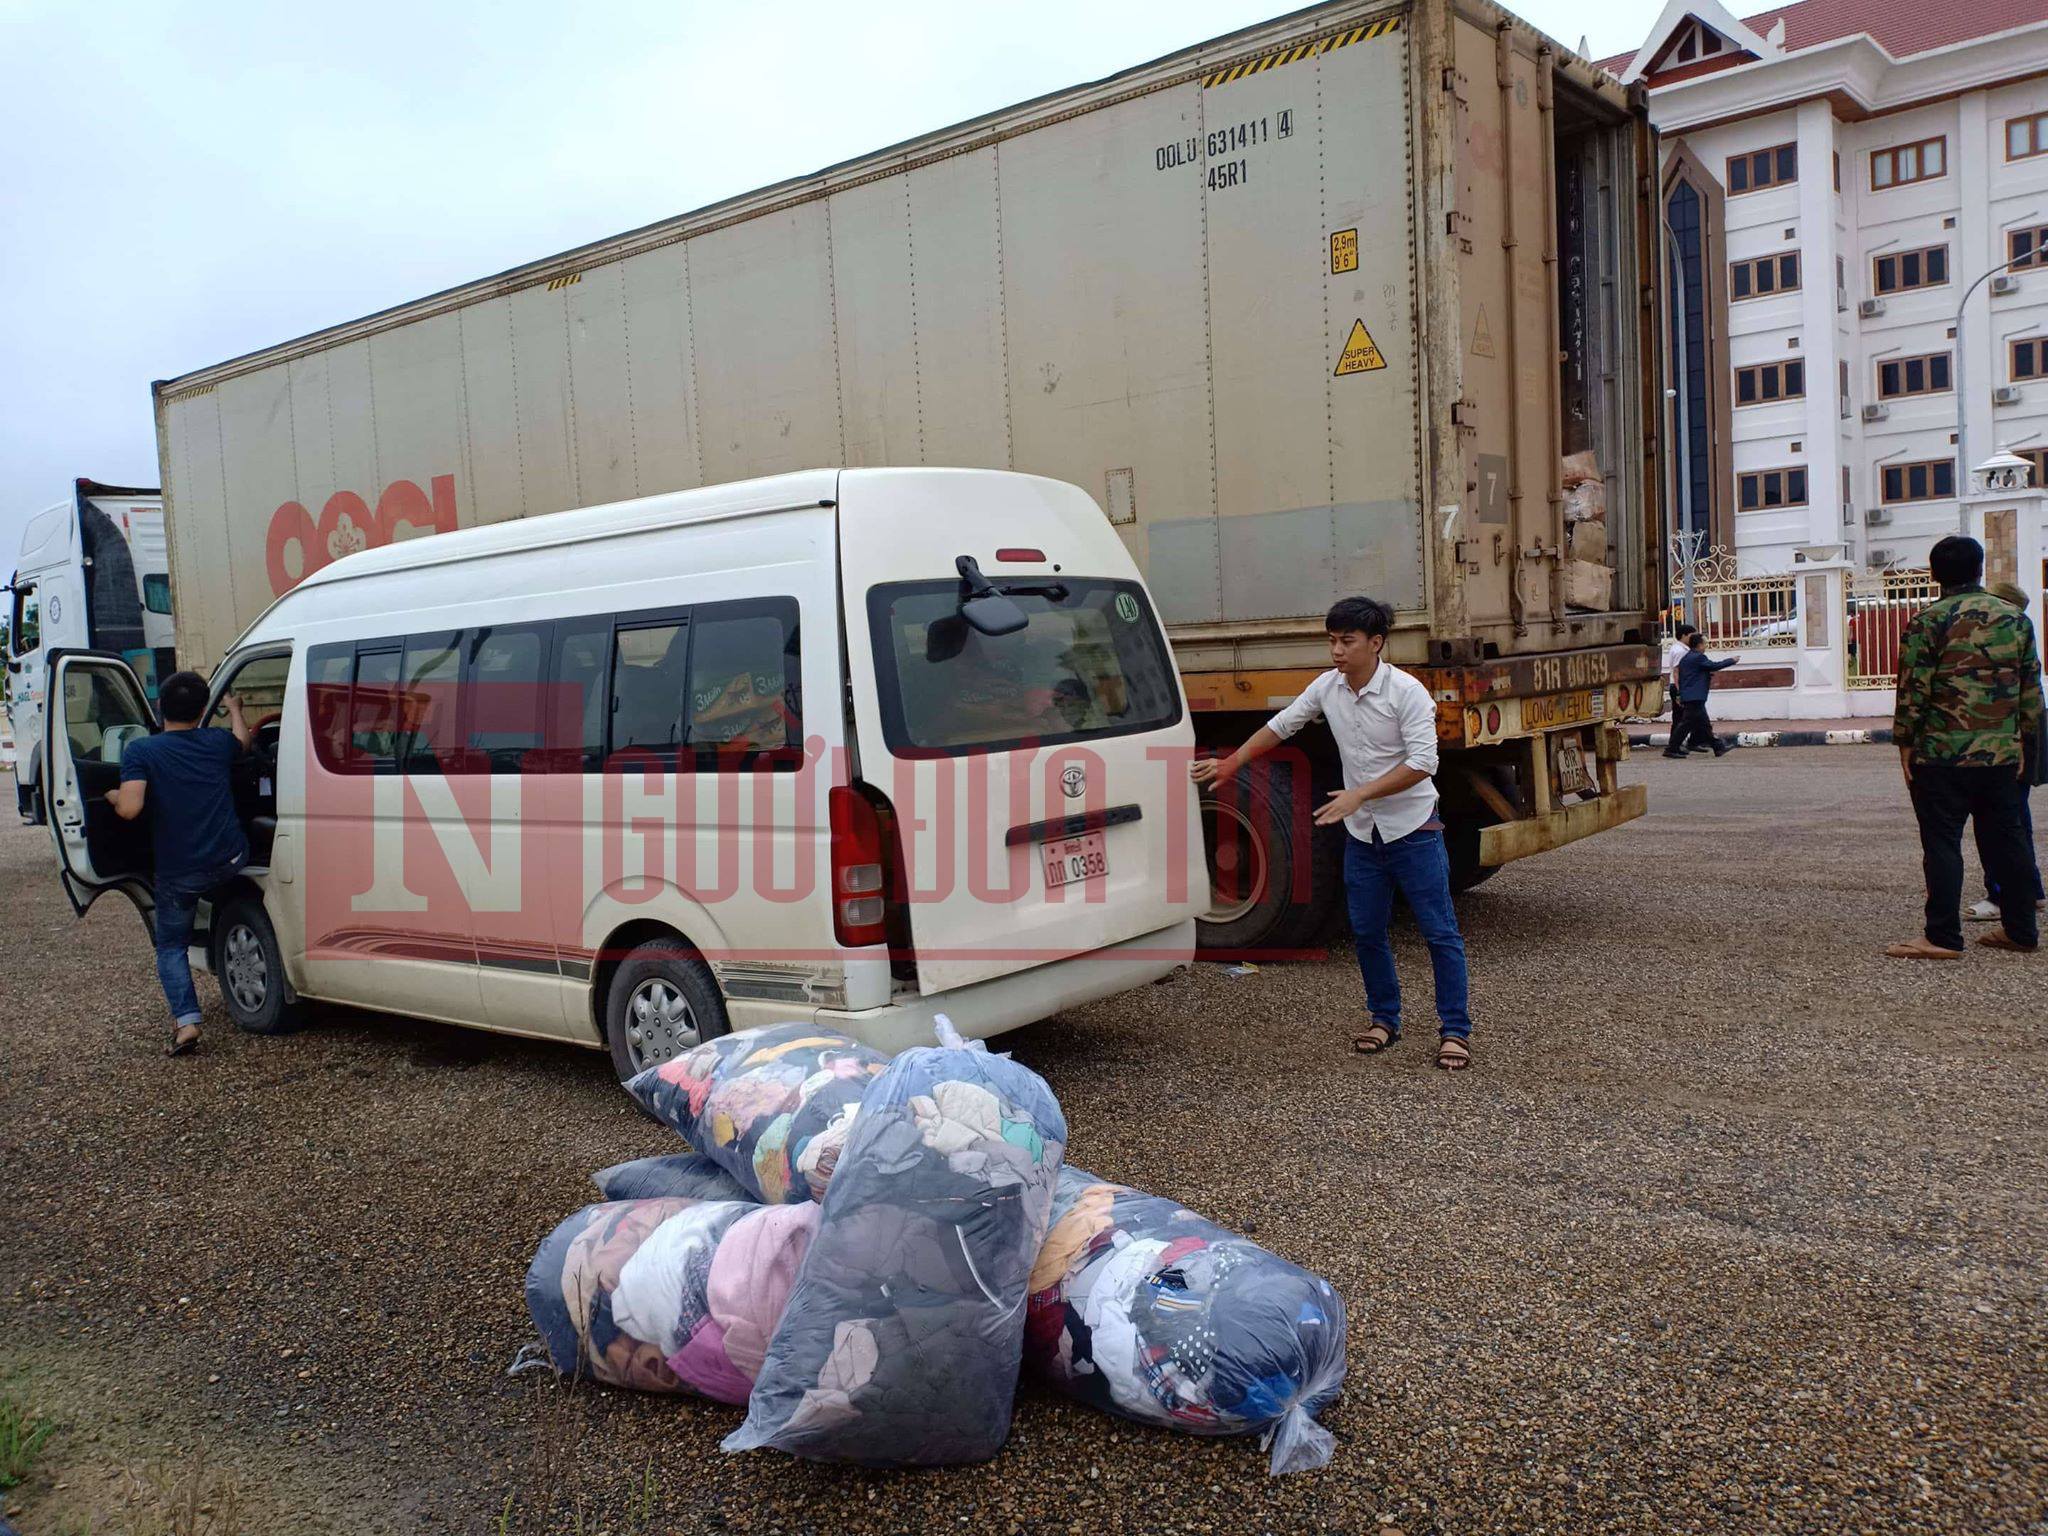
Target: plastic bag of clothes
pixel 1142 1308
pixel 668 1295
pixel 691 1175
pixel 772 1106
pixel 901 1341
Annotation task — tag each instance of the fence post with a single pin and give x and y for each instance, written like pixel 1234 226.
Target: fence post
pixel 1821 685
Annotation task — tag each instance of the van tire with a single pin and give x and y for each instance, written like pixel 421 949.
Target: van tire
pixel 663 982
pixel 250 969
pixel 1297 867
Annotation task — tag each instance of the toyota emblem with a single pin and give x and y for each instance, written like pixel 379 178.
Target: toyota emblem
pixel 1073 780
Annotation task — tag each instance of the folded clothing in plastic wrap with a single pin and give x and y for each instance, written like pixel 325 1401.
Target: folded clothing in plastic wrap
pixel 668 1295
pixel 1142 1308
pixel 901 1341
pixel 772 1106
pixel 690 1175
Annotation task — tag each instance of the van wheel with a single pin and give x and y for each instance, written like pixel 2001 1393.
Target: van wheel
pixel 1274 876
pixel 663 1002
pixel 250 969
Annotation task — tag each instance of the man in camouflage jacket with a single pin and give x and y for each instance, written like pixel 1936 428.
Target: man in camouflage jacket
pixel 1969 710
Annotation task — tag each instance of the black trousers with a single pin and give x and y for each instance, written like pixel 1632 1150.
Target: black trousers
pixel 1691 727
pixel 1991 800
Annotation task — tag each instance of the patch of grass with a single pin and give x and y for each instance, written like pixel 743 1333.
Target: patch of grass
pixel 21 1441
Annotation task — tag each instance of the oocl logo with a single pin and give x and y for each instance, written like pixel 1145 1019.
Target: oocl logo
pixel 297 546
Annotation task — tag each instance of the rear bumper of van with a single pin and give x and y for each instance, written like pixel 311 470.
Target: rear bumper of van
pixel 990 1007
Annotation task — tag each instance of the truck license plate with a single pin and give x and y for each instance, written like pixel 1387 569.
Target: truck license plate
pixel 1070 860
pixel 1572 778
pixel 1563 708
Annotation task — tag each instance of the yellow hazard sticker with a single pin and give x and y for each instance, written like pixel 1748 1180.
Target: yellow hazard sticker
pixel 1360 354
pixel 1482 336
pixel 1344 251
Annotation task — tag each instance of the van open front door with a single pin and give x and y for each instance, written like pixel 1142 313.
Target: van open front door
pixel 1017 705
pixel 94 709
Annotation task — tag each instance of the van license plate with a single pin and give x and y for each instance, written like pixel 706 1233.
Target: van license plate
pixel 1070 860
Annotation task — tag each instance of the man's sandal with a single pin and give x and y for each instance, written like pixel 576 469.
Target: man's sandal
pixel 1452 1054
pixel 184 1039
pixel 1919 949
pixel 1374 1040
pixel 1998 938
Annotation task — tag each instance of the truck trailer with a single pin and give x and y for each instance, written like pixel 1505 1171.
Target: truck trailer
pixel 1357 301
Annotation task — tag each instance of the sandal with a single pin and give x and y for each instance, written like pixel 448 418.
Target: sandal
pixel 185 1039
pixel 1998 938
pixel 1919 949
pixel 1452 1054
pixel 1374 1040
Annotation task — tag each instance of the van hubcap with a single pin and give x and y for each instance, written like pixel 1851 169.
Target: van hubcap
pixel 1237 862
pixel 243 970
pixel 659 1024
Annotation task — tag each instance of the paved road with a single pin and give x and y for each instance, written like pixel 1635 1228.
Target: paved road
pixel 1736 1226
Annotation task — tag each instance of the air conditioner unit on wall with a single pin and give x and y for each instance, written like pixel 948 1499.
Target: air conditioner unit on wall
pixel 1876 412
pixel 1879 558
pixel 1870 309
pixel 1877 517
pixel 2004 283
pixel 2006 394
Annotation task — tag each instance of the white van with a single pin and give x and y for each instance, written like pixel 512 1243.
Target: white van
pixel 93 573
pixel 856 746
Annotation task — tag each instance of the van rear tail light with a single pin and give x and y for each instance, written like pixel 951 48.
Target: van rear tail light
pixel 859 910
pixel 1020 557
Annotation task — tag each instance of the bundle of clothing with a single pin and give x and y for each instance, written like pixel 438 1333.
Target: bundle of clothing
pixel 1140 1307
pixel 886 1326
pixel 668 1295
pixel 901 1340
pixel 771 1106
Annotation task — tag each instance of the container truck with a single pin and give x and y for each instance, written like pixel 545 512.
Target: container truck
pixel 1356 301
pixel 92 573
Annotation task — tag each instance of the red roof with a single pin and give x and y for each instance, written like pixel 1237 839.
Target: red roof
pixel 1900 27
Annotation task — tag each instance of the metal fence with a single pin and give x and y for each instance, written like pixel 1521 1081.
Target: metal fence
pixel 1742 613
pixel 1880 604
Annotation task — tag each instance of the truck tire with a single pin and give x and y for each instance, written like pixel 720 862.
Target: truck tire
pixel 663 1001
pixel 250 969
pixel 1275 877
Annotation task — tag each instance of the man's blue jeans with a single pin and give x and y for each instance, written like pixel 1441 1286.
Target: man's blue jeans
pixel 1420 868
pixel 177 898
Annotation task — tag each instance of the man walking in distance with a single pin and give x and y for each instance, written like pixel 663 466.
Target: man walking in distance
pixel 1385 725
pixel 1969 699
pixel 1674 653
pixel 181 776
pixel 1695 682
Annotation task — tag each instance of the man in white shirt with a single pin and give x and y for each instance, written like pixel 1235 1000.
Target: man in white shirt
pixel 1674 653
pixel 1384 722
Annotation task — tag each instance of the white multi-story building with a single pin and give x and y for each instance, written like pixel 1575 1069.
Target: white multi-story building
pixel 1837 174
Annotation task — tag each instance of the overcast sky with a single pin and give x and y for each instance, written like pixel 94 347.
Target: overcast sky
pixel 185 182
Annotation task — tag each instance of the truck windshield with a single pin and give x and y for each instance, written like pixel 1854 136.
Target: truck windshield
pixel 1090 663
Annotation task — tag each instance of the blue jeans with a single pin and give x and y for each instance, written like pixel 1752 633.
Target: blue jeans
pixel 2033 864
pixel 1419 865
pixel 177 899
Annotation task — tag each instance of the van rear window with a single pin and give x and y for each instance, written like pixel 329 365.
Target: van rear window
pixel 1090 663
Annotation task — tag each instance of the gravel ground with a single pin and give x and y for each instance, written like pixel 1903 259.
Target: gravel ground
pixel 1735 1227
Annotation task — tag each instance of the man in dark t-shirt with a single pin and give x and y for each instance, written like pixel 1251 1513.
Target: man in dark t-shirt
pixel 181 777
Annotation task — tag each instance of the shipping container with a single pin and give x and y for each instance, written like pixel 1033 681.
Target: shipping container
pixel 1358 301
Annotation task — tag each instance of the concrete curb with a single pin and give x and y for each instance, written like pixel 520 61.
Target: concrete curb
pixel 1878 737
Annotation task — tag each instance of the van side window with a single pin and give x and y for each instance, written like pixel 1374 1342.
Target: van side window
pixel 649 676
pixel 576 696
pixel 502 695
pixel 745 692
pixel 328 670
pixel 259 684
pixel 428 699
pixel 373 713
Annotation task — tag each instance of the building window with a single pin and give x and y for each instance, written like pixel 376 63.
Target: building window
pixel 1842 369
pixel 1900 376
pixel 1762 168
pixel 1899 271
pixel 1848 511
pixel 2038 457
pixel 2026 248
pixel 1766 382
pixel 1694 476
pixel 1904 164
pixel 1927 480
pixel 2030 359
pixel 2026 137
pixel 1764 488
pixel 1765 274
